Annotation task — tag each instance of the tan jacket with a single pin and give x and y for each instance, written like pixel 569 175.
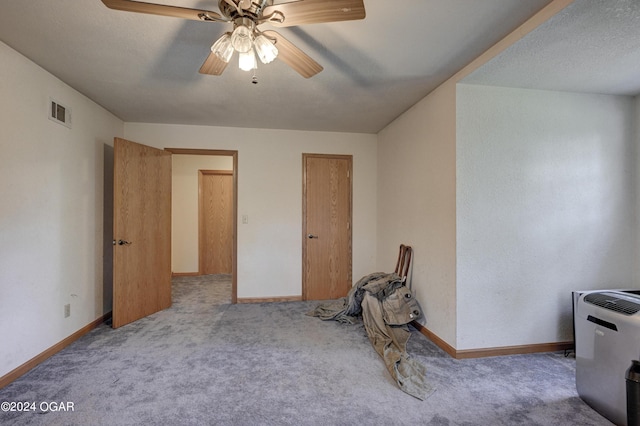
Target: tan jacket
pixel 386 306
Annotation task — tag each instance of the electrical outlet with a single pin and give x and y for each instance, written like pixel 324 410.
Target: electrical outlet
pixel 67 310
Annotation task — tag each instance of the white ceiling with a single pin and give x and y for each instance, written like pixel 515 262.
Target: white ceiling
pixel 591 46
pixel 144 68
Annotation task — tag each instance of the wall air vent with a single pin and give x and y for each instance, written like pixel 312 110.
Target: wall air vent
pixel 614 302
pixel 59 113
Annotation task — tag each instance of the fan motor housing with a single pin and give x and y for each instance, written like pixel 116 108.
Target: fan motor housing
pixel 254 11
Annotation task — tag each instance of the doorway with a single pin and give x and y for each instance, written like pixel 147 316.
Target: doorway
pixel 326 228
pixel 232 237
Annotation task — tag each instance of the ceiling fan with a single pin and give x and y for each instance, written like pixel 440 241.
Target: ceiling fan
pixel 246 38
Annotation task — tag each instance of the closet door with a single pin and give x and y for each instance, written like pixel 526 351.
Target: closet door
pixel 326 247
pixel 215 221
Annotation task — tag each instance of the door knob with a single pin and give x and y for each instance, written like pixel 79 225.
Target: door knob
pixel 310 236
pixel 123 242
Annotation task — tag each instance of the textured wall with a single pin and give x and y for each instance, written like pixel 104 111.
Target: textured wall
pixel 51 214
pixel 416 203
pixel 545 205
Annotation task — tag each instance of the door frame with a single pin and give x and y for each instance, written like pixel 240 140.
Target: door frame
pixel 234 250
pixel 304 212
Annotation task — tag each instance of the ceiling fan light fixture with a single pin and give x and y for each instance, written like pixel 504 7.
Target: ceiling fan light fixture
pixel 223 48
pixel 247 61
pixel 266 50
pixel 245 38
pixel 242 39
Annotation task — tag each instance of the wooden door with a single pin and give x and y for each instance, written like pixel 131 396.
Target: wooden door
pixel 326 247
pixel 142 231
pixel 215 189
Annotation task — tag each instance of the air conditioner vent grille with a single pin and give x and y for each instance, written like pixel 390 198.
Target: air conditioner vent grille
pixel 59 113
pixel 613 302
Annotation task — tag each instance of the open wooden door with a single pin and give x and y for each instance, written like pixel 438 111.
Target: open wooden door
pixel 141 231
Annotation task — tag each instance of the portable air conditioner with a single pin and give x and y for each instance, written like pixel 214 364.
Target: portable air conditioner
pixel 607 339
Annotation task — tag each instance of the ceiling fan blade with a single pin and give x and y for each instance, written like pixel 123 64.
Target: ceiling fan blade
pixel 316 11
pixel 163 10
pixel 213 65
pixel 294 57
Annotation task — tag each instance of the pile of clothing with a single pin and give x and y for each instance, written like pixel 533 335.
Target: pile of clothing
pixel 387 307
